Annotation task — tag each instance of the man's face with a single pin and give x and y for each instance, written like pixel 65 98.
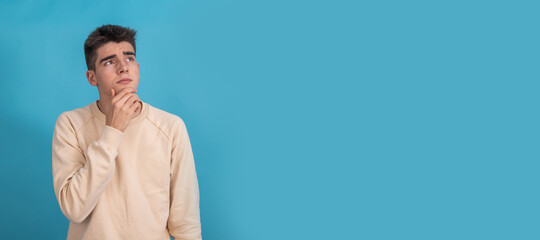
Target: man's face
pixel 116 68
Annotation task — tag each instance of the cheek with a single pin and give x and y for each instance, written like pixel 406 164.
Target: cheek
pixel 135 73
pixel 135 68
pixel 103 79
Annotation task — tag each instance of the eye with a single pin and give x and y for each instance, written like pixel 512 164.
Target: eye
pixel 110 62
pixel 130 59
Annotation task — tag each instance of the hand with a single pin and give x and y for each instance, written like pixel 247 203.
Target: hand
pixel 123 106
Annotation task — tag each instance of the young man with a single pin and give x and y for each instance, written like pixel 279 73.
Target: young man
pixel 123 169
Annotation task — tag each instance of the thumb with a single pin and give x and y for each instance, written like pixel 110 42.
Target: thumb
pixel 112 93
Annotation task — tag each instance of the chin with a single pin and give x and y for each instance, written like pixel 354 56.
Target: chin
pixel 118 89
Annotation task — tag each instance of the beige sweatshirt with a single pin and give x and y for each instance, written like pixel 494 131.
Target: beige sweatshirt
pixel 139 184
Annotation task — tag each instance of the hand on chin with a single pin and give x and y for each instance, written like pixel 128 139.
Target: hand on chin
pixel 119 88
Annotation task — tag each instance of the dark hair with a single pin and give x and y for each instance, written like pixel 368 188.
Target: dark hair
pixel 103 35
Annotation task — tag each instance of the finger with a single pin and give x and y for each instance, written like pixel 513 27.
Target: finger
pixel 122 93
pixel 137 103
pixel 136 100
pixel 130 101
pixel 122 102
pixel 137 106
pixel 134 107
pixel 112 92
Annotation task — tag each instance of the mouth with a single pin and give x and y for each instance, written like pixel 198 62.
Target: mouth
pixel 124 81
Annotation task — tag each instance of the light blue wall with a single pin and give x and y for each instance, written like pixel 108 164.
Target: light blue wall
pixel 308 119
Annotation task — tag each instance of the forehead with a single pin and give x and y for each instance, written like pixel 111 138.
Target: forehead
pixel 111 48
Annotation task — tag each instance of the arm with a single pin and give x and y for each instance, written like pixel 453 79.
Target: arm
pixel 79 179
pixel 184 216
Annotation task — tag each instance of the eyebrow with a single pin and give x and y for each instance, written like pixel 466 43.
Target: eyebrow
pixel 114 55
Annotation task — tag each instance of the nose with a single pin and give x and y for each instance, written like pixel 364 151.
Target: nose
pixel 122 67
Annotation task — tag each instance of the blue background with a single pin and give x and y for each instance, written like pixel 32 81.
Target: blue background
pixel 308 119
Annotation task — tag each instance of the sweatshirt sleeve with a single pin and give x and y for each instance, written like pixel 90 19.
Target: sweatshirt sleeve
pixel 184 215
pixel 80 179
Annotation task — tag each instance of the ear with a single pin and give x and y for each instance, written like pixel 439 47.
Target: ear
pixel 91 76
